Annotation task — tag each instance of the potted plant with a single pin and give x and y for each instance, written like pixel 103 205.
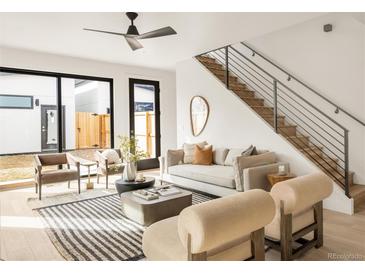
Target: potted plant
pixel 131 153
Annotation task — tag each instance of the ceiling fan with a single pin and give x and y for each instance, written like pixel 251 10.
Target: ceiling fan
pixel 132 33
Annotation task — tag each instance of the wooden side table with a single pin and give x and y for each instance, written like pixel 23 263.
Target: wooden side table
pixel 276 178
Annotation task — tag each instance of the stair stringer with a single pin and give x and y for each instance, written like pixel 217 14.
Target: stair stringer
pixel 300 165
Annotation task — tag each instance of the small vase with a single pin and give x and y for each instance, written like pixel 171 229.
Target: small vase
pixel 130 172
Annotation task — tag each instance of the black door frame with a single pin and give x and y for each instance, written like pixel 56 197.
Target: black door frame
pixel 59 77
pixel 152 162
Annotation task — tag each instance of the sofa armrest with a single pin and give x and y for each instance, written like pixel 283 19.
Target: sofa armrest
pixel 174 157
pixel 256 177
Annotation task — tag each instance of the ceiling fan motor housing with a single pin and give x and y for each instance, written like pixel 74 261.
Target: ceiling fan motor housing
pixel 132 30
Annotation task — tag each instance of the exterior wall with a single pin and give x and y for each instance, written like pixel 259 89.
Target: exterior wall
pixel 21 128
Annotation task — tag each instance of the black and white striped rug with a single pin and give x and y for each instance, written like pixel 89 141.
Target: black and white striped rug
pixel 95 229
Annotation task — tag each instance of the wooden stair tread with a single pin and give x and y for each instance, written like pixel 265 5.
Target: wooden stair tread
pixel 357 190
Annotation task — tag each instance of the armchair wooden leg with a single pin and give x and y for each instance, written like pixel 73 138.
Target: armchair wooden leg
pixel 97 178
pixel 40 191
pixel 106 180
pixel 36 187
pixel 258 244
pixel 318 217
pixel 79 185
pixel 285 234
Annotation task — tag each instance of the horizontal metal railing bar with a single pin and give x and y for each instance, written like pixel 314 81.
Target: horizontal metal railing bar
pixel 296 122
pixel 264 94
pixel 313 158
pixel 320 127
pixel 281 83
pixel 270 88
pixel 286 115
pixel 209 51
pixel 267 94
pixel 305 85
pixel 341 135
pixel 237 57
pixel 294 101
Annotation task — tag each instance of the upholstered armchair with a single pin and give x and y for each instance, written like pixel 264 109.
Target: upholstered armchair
pixel 299 211
pixel 228 228
pixel 109 162
pixel 56 175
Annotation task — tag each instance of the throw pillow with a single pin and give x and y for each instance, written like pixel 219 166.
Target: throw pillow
pixel 236 152
pixel 174 157
pixel 219 155
pixel 203 156
pixel 189 151
pixel 111 155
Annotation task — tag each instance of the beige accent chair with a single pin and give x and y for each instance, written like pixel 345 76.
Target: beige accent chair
pixel 228 228
pixel 56 175
pixel 106 168
pixel 299 211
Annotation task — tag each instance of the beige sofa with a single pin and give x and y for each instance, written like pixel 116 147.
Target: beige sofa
pixel 223 177
pixel 228 228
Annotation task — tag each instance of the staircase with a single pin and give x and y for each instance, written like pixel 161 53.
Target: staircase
pixel 312 132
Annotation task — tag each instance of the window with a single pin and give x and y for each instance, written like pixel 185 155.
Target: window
pixel 16 101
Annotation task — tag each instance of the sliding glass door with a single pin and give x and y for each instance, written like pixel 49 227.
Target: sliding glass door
pixel 46 112
pixel 144 100
pixel 29 124
pixel 87 117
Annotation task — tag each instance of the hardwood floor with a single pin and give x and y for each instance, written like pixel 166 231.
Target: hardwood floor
pixel 22 236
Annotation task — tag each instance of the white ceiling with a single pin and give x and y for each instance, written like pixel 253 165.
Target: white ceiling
pixel 61 33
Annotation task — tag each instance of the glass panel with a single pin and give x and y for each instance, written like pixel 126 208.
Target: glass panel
pixel 87 117
pixel 16 101
pixel 144 117
pixel 26 131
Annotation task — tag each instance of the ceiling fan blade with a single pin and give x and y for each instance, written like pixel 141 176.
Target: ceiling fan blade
pixel 157 33
pixel 133 43
pixel 103 31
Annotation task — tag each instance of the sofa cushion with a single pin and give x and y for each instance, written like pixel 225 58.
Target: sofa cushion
pixel 189 151
pixel 236 152
pixel 219 155
pixel 203 156
pixel 213 174
pixel 58 175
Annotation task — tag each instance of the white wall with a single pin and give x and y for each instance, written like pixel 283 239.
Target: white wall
pixel 332 63
pixel 93 97
pixel 233 124
pixel 21 128
pixel 120 73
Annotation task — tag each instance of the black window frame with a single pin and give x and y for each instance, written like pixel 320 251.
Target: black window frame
pixel 58 76
pixel 24 96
